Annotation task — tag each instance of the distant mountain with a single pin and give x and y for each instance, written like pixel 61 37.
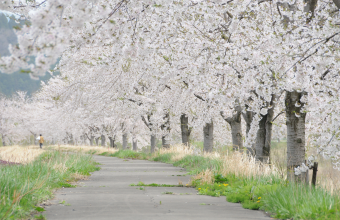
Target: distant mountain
pixel 10 83
pixel 7 35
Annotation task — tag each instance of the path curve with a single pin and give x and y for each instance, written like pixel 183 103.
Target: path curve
pixel 107 195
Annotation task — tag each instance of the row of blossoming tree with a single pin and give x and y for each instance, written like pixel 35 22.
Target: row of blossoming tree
pixel 159 68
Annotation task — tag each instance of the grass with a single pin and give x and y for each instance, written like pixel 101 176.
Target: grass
pixel 19 154
pixel 156 185
pixel 300 202
pixel 82 149
pixel 22 187
pixel 127 154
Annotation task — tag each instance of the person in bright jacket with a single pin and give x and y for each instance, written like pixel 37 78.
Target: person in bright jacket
pixel 41 141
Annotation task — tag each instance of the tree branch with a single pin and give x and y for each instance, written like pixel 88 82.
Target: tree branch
pixel 277 116
pixel 199 97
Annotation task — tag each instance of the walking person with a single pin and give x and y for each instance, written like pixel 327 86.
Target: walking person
pixel 41 141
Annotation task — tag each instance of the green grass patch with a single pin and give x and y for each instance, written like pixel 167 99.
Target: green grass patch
pixel 65 185
pixel 194 164
pixel 22 187
pixel 165 158
pixel 155 185
pixel 300 202
pixel 39 209
pixel 127 154
pixel 40 217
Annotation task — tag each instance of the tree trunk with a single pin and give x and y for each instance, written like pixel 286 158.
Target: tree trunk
pixel 248 118
pixel 134 144
pixel 103 140
pixel 236 134
pixel 84 140
pixel 236 128
pixel 166 127
pixel 337 3
pixel 185 130
pixel 165 141
pixel 112 142
pixel 261 140
pixel 295 134
pixel 91 140
pixel 35 139
pixel 71 142
pixel 97 141
pixel 153 143
pixel 208 132
pixel 125 141
pixel 3 140
pixel 264 134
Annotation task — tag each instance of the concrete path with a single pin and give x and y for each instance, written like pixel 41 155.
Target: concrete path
pixel 107 195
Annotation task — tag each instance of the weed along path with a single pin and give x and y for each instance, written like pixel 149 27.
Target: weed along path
pixel 109 195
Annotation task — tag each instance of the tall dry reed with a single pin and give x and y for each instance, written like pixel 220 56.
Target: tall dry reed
pixel 83 148
pixel 236 163
pixel 19 154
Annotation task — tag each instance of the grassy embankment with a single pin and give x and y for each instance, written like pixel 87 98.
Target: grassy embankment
pixel 24 186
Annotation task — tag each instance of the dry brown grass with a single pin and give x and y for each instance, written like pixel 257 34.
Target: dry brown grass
pixel 20 154
pixel 84 149
pixel 239 164
pixel 327 177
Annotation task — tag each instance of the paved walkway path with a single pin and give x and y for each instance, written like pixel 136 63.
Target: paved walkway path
pixel 107 195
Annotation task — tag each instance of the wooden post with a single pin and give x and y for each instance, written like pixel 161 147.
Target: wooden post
pixel 315 170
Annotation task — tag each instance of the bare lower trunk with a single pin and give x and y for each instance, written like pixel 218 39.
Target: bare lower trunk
pixel 264 134
pixel 185 130
pixel 153 137
pixel 166 127
pixel 261 140
pixel 97 141
pixel 153 143
pixel 236 134
pixel 3 140
pixel 295 120
pixel 134 144
pixel 71 142
pixel 125 142
pixel 112 142
pixel 102 140
pixel 165 141
pixel 91 140
pixel 208 132
pixel 236 128
pixel 111 145
pixel 248 118
pixel 35 139
pixel 269 131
